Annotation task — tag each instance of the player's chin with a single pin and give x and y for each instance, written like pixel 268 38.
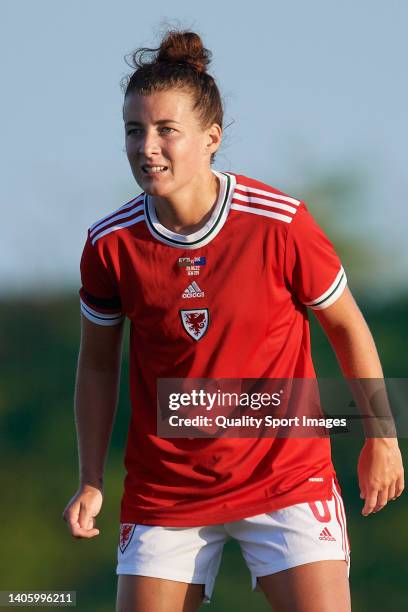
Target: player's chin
pixel 154 185
pixel 155 188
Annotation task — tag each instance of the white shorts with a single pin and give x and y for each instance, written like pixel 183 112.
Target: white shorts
pixel 269 542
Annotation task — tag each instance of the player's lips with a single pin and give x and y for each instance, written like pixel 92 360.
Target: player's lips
pixel 151 169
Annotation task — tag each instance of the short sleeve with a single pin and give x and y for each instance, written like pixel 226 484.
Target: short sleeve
pixel 313 269
pixel 100 300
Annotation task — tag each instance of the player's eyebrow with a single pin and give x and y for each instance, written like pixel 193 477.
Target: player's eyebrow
pixel 160 122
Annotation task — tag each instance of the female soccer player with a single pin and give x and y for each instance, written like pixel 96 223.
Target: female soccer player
pixel 215 271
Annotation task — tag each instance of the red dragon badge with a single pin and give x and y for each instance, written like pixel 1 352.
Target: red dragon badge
pixel 195 322
pixel 126 533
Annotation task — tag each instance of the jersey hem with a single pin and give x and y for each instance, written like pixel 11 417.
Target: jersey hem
pixel 226 516
pixel 101 318
pixel 332 294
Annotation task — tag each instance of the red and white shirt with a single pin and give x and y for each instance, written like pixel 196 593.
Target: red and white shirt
pixel 254 267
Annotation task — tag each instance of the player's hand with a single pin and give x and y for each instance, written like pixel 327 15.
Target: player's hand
pixel 380 473
pixel 81 511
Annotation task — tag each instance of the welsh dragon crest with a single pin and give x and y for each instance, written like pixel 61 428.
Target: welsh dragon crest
pixel 195 322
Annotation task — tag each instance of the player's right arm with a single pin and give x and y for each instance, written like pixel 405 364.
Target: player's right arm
pixel 96 397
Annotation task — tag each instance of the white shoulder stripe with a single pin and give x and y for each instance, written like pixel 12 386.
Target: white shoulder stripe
pixel 114 228
pixel 270 194
pixel 270 203
pixel 264 213
pixel 123 215
pixel 138 198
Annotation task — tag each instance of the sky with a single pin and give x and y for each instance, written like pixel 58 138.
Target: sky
pixel 310 89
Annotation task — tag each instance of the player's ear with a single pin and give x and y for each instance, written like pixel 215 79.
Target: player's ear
pixel 213 138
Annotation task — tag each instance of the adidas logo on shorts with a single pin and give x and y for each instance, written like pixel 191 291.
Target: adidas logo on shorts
pixel 326 535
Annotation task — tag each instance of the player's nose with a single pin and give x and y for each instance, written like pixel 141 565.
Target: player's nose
pixel 148 144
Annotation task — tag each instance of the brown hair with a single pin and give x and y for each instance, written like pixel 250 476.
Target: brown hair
pixel 179 63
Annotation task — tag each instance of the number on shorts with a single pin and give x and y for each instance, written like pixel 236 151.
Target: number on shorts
pixel 322 517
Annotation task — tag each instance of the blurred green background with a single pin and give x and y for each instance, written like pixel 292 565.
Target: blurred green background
pixel 38 467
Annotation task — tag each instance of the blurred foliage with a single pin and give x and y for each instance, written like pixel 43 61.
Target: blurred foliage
pixel 340 201
pixel 333 200
pixel 38 470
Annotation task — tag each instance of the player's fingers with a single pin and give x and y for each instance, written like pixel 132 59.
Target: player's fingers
pixel 399 487
pixel 370 502
pixel 85 519
pixel 80 532
pixel 70 514
pixel 391 491
pixel 70 510
pixel 382 499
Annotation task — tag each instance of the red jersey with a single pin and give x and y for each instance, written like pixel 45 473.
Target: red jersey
pixel 253 269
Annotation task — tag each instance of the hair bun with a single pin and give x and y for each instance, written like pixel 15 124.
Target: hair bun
pixel 184 47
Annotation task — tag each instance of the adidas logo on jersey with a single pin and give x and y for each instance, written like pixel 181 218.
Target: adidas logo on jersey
pixel 193 291
pixel 326 535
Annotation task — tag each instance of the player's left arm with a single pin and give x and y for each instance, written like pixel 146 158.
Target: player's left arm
pixel 380 468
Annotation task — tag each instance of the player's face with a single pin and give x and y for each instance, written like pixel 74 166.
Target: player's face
pixel 166 146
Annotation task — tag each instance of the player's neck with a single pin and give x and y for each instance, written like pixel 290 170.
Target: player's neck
pixel 191 208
